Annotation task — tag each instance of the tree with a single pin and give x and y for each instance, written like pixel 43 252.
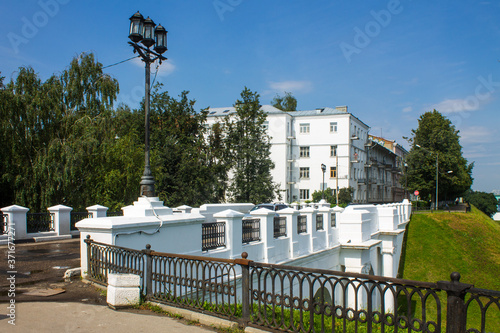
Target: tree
pixel 285 103
pixel 436 138
pixel 188 168
pixel 57 134
pixel 345 196
pixel 485 202
pixel 250 148
pixel 329 196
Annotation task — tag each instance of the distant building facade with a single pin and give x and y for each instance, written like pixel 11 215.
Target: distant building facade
pixel 301 141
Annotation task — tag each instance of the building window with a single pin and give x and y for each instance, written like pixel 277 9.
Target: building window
pixel 333 151
pixel 305 128
pixel 304 194
pixel 304 173
pixel 304 151
pixel 333 172
pixel 333 127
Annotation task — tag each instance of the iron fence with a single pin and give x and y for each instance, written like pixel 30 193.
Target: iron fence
pixel 4 223
pixel 250 230
pixel 301 224
pixel 103 259
pixel 279 226
pixel 117 213
pixel 39 222
pixel 77 217
pixel 213 235
pixel 319 222
pixel 296 299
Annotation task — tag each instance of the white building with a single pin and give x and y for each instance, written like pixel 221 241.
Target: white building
pixel 303 140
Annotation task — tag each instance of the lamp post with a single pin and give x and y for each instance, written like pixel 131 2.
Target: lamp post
pixel 149 34
pixel 323 168
pixel 437 172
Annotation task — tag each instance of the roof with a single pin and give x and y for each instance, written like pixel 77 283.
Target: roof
pixel 269 109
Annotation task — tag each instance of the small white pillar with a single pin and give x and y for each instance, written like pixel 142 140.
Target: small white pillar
pixel 266 217
pixel 123 290
pixel 291 228
pixel 62 219
pixel 310 213
pixel 16 219
pixel 97 211
pixel 234 229
pixel 185 209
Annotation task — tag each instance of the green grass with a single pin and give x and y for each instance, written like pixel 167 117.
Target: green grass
pixel 469 243
pixel 441 243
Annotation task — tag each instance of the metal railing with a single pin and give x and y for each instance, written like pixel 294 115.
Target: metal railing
pixel 319 222
pixel 77 217
pixel 297 299
pixel 301 224
pixel 117 213
pixel 250 230
pixel 333 220
pixel 39 222
pixel 103 259
pixel 4 223
pixel 279 226
pixel 213 235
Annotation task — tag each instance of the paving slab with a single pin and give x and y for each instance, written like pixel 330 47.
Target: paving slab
pixel 81 317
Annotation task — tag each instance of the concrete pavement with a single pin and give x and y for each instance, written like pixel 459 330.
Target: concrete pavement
pixel 81 317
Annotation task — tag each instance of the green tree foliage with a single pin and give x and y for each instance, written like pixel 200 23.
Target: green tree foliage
pixel 249 147
pixel 186 166
pixel 437 137
pixel 329 196
pixel 485 202
pixel 57 137
pixel 345 196
pixel 285 103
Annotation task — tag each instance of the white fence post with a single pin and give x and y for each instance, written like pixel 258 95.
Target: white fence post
pixel 16 216
pixel 97 211
pixel 233 220
pixel 62 219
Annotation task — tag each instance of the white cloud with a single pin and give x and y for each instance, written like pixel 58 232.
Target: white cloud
pixel 407 109
pixel 291 86
pixel 457 105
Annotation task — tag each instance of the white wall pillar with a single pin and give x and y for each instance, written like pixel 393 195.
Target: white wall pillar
pixel 62 219
pixel 311 225
pixel 233 220
pixel 266 217
pixel 388 270
pixel 16 216
pixel 97 211
pixel 291 229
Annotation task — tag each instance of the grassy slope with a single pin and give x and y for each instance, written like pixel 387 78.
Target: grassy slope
pixel 441 243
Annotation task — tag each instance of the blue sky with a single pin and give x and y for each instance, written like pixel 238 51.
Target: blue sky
pixel 389 61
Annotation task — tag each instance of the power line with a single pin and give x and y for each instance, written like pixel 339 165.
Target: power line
pixel 120 62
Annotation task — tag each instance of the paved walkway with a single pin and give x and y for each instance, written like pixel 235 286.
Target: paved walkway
pixel 80 317
pixel 81 307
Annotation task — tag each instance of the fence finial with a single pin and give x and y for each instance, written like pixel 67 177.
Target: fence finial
pixel 244 255
pixel 455 277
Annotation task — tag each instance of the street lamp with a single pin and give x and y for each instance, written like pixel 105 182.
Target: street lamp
pixel 437 172
pixel 149 34
pixel 323 168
